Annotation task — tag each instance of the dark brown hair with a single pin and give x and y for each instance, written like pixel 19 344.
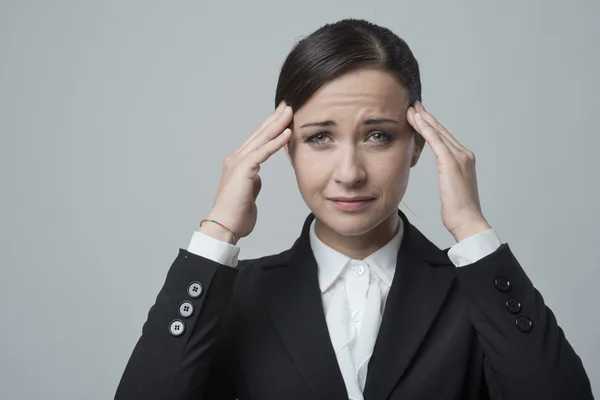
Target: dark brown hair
pixel 341 47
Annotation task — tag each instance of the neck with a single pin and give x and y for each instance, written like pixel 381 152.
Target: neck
pixel 359 247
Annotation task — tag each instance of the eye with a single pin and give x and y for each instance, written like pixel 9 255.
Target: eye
pixel 381 137
pixel 317 138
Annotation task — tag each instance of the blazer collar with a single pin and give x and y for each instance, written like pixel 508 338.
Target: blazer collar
pixel 422 276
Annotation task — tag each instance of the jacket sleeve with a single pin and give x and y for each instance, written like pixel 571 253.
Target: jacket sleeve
pixel 176 352
pixel 526 354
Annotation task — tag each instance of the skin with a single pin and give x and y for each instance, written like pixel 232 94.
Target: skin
pixel 351 158
pixel 348 157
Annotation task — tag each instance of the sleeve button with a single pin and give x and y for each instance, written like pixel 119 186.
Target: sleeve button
pixel 524 324
pixel 195 289
pixel 513 305
pixel 176 327
pixel 186 309
pixel 502 283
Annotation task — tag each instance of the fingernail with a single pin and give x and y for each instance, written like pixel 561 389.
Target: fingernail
pixel 281 105
pixel 418 115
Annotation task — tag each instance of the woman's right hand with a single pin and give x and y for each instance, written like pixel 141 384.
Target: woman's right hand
pixel 235 202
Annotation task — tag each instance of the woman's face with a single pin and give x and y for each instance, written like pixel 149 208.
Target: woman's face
pixel 352 139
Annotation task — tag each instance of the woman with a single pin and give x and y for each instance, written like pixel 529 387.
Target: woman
pixel 362 305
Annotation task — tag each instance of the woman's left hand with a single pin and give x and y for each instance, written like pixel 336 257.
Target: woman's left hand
pixel 461 210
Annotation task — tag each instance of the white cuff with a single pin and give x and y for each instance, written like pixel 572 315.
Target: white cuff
pixel 214 249
pixel 474 248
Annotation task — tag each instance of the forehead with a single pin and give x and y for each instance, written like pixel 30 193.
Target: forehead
pixel 366 90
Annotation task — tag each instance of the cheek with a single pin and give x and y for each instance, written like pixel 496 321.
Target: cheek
pixel 391 171
pixel 311 169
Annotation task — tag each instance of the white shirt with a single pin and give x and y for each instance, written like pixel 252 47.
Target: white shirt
pixel 353 292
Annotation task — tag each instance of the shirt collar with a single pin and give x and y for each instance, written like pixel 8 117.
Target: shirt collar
pixel 331 262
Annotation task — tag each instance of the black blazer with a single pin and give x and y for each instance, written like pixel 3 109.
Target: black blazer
pixel 258 332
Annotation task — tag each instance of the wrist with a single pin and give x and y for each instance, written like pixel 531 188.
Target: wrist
pixel 216 231
pixel 470 230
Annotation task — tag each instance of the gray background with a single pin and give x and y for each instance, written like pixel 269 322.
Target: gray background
pixel 116 116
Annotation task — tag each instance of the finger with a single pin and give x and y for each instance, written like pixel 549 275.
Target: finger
pixel 262 126
pixel 437 144
pixel 456 151
pixel 427 116
pixel 443 131
pixel 270 131
pixel 265 151
pixel 410 117
pixel 448 142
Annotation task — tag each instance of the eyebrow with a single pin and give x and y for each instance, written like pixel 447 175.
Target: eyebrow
pixel 370 121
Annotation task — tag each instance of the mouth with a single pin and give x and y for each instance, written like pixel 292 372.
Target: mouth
pixel 352 203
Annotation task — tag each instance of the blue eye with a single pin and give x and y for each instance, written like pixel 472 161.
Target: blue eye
pixel 383 137
pixel 379 137
pixel 316 139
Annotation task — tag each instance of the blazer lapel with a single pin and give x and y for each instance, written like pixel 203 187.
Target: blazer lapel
pixel 417 293
pixel 294 299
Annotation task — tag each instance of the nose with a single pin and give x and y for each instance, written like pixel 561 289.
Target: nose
pixel 349 170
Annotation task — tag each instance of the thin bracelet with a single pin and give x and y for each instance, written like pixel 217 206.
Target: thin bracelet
pixel 218 223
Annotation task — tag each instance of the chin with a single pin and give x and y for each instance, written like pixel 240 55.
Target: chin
pixel 349 224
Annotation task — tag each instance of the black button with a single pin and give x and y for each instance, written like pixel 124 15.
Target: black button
pixel 524 324
pixel 502 283
pixel 513 305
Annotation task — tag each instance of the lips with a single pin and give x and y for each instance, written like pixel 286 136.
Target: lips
pixel 355 203
pixel 351 199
